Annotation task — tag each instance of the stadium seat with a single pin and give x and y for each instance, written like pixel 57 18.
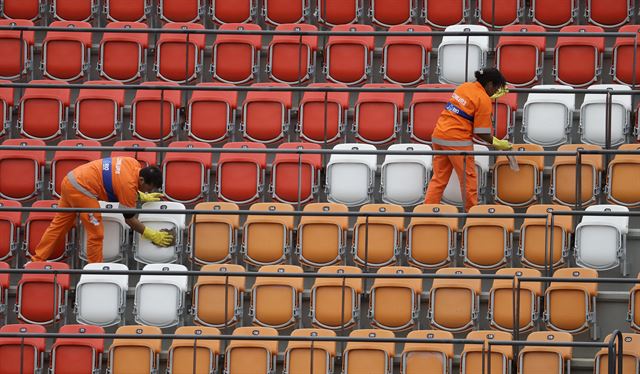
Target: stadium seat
pixel 350 177
pixel 66 55
pixel 523 187
pixel 144 251
pixel 601 241
pixel 609 14
pixel 369 356
pixel 74 10
pixel 101 298
pixel 241 175
pixel 44 112
pixel 377 240
pixel 115 228
pixel 35 226
pixel 539 359
pixel 630 356
pixel 338 12
pixel 135 355
pixel 349 59
pixel 504 115
pixel 621 174
pixel 252 356
pixel 335 302
pixel 322 239
pixel 23 9
pixel 181 11
pixel 72 355
pixel 179 57
pixel 10 223
pixel 211 115
pixel 378 115
pixel 535 251
pixel 403 178
pixel 406 58
pixel 233 11
pixel 277 301
pixel 235 58
pixel 455 302
pixel 6 100
pixel 593 116
pixel 443 13
pixel 452 194
pixel 41 299
pixel 498 14
pixel 292 59
pixel 186 175
pixel 267 239
pixel 431 241
pixel 315 356
pixel 578 60
pixel 266 114
pixel 633 313
pixel 569 306
pixel 64 162
pixel 475 358
pixel 457 61
pixel 564 169
pixel 552 13
pixel 521 58
pixel 394 304
pixel 425 110
pixel 295 178
pixel 148 122
pixel 277 12
pixel 547 117
pixel 501 301
pixel 127 10
pixel 160 299
pixel 389 13
pixel 145 158
pixel 123 56
pixel 218 300
pixel 622 67
pixel 184 353
pixel 98 113
pixel 17 49
pixel 438 357
pixel 487 242
pixel 213 236
pixel 28 164
pixel 22 354
pixel 320 123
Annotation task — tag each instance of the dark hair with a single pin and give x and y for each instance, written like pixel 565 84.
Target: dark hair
pixel 493 75
pixel 152 175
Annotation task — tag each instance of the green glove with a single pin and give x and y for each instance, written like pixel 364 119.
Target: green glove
pixel 501 92
pixel 159 238
pixel 501 145
pixel 151 196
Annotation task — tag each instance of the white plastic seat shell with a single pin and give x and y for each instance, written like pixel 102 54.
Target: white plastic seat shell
pixel 148 253
pixel 547 117
pixel 350 177
pixel 404 177
pixel 593 115
pixel 453 50
pixel 153 302
pixel 601 240
pixel 101 298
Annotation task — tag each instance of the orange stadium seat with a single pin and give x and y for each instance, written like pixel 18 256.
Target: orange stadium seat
pixel 211 114
pixel 523 187
pixel 27 163
pixel 533 250
pixel 335 302
pixel 437 357
pixel 394 304
pixel 406 58
pixel 338 12
pixel 181 10
pixel 44 111
pixel 241 175
pixel 22 354
pixel 99 112
pixel 218 300
pixel 571 306
pixel 316 356
pixel 487 242
pixel 633 314
pixel 424 111
pixel 186 175
pixel 64 162
pixel 371 356
pixel 66 55
pixel 41 299
pixel 348 59
pixel 123 56
pixel 35 226
pixel 630 356
pixel 252 356
pixel 564 169
pixel 292 59
pixel 183 353
pixel 266 114
pixel 320 123
pixel 277 12
pixel 73 355
pixel 553 13
pixel 277 301
pixel 455 302
pixel 23 9
pixel 74 10
pixel 290 185
pixel 267 239
pixel 213 236
pixel 621 174
pixel 507 12
pixel 431 241
pixel 501 300
pixel 539 359
pixel 622 70
pixel 607 13
pixel 528 51
pixel 377 240
pixel 322 240
pixel 17 49
pixel 4 289
pixel 146 158
pixel 475 358
pixel 147 121
pixel 233 11
pixel 443 13
pixel 578 60
pixel 10 223
pixel 6 99
pixel 179 57
pixel 387 13
pixel 127 10
pixel 135 355
pixel 378 115
pixel 235 58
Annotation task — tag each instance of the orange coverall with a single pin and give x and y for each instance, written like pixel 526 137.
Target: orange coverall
pixel 468 112
pixel 82 188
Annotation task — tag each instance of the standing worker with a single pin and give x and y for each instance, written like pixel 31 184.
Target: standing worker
pixel 117 179
pixel 467 115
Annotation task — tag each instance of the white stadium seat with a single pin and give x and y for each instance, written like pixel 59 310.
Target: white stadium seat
pixel 593 115
pixel 148 253
pixel 101 298
pixel 350 177
pixel 453 52
pixel 116 233
pixel 452 193
pixel 159 299
pixel 404 178
pixel 547 117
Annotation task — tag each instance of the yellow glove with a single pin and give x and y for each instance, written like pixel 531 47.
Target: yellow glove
pixel 151 196
pixel 501 145
pixel 159 238
pixel 501 92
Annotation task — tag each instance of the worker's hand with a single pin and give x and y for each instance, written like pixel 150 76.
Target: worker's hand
pixel 501 145
pixel 149 197
pixel 159 238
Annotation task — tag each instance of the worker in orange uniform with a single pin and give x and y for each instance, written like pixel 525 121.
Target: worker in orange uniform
pixel 467 115
pixel 117 179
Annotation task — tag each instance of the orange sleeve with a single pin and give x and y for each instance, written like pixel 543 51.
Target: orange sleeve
pixel 482 124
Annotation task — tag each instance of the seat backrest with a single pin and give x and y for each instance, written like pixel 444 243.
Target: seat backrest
pixel 454 300
pixel 212 236
pixel 34 289
pixel 100 297
pixel 140 355
pixel 182 355
pixel 69 354
pixel 545 358
pixel 417 356
pixel 22 355
pixel 568 304
pixel 248 356
pixel 502 304
pixel 371 356
pixel 334 301
pixel 298 355
pixel 472 357
pixel 394 302
pixel 216 304
pixel 275 300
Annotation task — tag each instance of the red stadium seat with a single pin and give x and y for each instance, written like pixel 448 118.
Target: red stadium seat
pixel 578 60
pixel 406 58
pixel 241 175
pixel 17 49
pixel 348 59
pixel 6 100
pixel 622 70
pixel 285 174
pixel 10 223
pixel 235 58
pixel 609 13
pixel 387 13
pixel 553 13
pixel 211 114
pixel 99 112
pixel 338 12
pixel 424 111
pixel 23 9
pixel 378 115
pixel 66 55
pixel 123 56
pixel 28 164
pixel 41 298
pixel 127 10
pixel 65 161
pixel 277 12
pixel 233 11
pixel 186 175
pixel 504 115
pixel 521 58
pixel 507 12
pixel 292 59
pixel 22 355
pixel 443 13
pixel 145 158
pixel 266 114
pixel 74 10
pixel 44 111
pixel 181 10
pixel 146 118
pixel 77 355
pixel 35 226
pixel 318 124
pixel 4 285
pixel 175 62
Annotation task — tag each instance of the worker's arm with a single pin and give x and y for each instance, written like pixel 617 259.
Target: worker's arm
pixel 135 224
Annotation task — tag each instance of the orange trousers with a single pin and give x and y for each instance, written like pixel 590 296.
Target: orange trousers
pixel 443 165
pixel 64 221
